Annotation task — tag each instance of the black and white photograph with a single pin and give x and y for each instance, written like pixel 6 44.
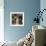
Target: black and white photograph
pixel 17 18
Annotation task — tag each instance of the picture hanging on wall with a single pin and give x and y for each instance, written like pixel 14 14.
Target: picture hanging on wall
pixel 16 18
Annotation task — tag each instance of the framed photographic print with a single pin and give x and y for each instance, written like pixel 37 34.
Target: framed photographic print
pixel 16 18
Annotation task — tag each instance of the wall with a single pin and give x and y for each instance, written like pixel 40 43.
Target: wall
pixel 43 6
pixel 29 7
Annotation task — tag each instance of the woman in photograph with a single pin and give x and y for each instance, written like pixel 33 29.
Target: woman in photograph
pixel 17 19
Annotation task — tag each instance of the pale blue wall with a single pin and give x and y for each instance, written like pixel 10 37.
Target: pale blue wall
pixel 29 7
pixel 43 6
